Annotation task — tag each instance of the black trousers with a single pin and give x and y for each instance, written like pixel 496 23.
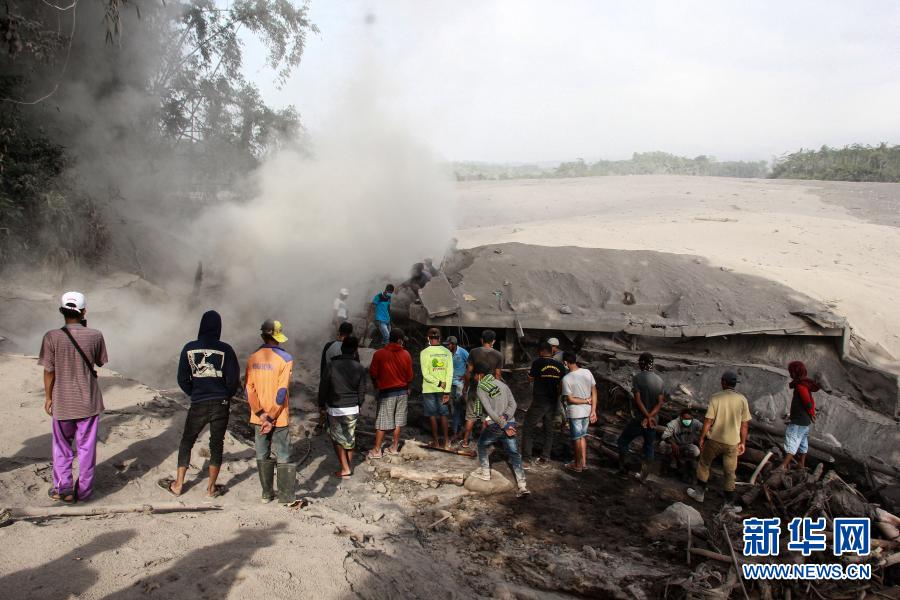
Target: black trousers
pixel 215 414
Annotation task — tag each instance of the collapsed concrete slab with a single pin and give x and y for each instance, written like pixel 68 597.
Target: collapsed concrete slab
pixel 698 319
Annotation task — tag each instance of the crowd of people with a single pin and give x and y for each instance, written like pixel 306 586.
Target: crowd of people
pixel 460 388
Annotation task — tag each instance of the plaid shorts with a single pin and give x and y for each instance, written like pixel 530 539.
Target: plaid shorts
pixel 391 412
pixel 343 430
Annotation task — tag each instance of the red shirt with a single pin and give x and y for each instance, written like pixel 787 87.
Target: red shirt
pixel 391 368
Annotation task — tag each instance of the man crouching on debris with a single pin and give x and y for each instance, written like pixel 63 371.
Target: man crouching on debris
pixel 268 378
pixel 72 397
pixel 724 434
pixel 681 441
pixel 209 373
pixel 342 392
pixel 500 426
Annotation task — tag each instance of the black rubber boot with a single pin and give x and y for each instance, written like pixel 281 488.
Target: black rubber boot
pixel 266 469
pixel 287 481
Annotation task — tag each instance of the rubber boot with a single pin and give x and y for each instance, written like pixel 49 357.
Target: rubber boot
pixel 287 481
pixel 266 469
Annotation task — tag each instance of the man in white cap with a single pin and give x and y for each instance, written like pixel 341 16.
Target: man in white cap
pixel 341 313
pixel 554 348
pixel 72 397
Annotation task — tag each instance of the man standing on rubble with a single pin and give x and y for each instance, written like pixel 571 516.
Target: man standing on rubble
pixel 648 397
pixel 72 398
pixel 392 372
pixel 340 310
pixel 457 400
pixel 436 363
pixel 724 434
pixel 802 415
pixel 499 426
pixel 681 441
pixel 545 375
pixel 555 350
pixel 268 381
pixel 208 373
pixel 488 360
pixel 381 308
pixel 580 391
pixel 342 393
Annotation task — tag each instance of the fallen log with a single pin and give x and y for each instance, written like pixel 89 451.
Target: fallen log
pixel 426 476
pixel 711 555
pixel 734 558
pixel 25 514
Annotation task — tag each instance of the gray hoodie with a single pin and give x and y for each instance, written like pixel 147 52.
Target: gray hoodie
pixel 497 400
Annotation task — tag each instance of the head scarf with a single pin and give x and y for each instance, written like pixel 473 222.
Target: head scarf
pixel 797 371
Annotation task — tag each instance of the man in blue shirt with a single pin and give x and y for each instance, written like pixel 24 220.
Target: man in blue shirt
pixel 457 402
pixel 381 306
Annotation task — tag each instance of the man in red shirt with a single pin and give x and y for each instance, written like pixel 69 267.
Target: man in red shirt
pixel 72 397
pixel 392 372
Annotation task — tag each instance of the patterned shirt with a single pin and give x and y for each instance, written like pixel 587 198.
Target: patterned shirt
pixel 76 393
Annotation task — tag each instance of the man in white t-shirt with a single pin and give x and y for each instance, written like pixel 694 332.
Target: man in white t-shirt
pixel 341 313
pixel 580 392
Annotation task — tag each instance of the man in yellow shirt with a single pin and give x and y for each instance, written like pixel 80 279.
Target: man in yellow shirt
pixel 268 379
pixel 724 434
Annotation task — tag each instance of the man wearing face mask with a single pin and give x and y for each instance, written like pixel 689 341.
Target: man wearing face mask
pixel 381 306
pixel 681 440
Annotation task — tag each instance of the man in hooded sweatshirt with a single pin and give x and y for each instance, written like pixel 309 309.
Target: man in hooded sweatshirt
pixel 208 372
pixel 342 393
pixel 268 379
pixel 802 415
pixel 499 427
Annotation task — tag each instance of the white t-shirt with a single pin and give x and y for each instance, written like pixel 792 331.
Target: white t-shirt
pixel 343 412
pixel 578 384
pixel 340 308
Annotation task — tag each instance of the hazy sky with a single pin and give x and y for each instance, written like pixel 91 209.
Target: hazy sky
pixel 516 80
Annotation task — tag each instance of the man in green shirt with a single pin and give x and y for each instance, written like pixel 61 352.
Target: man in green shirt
pixel 726 426
pixel 437 380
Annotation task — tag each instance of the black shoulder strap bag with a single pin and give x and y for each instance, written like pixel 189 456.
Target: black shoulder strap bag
pixel 84 357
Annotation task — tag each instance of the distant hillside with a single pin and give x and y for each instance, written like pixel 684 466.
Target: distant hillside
pixel 640 163
pixel 850 163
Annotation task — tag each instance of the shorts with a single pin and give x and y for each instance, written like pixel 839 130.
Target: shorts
pixel 391 412
pixel 343 430
pixel 434 405
pixel 474 410
pixel 578 428
pixel 796 439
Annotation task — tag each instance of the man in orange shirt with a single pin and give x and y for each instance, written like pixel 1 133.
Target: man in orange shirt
pixel 268 380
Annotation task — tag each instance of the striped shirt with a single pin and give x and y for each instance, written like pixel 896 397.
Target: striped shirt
pixel 76 394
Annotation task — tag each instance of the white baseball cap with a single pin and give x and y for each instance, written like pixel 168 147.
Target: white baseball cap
pixel 74 300
pixel 553 342
pixel 345 292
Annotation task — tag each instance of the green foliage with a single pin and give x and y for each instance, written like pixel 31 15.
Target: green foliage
pixel 186 57
pixel 641 163
pixel 850 163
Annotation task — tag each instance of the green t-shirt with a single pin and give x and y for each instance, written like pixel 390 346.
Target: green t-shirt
pixel 437 366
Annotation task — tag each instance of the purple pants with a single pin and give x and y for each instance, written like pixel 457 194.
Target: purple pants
pixel 83 432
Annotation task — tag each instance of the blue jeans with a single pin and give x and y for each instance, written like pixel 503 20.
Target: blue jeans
pixel 433 405
pixel 635 429
pixel 385 329
pixel 458 409
pixel 492 434
pixel 277 441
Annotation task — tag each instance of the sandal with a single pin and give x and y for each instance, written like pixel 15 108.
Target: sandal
pixel 166 484
pixel 340 475
pixel 373 455
pixel 57 497
pixel 391 451
pixel 219 490
pixel 572 467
